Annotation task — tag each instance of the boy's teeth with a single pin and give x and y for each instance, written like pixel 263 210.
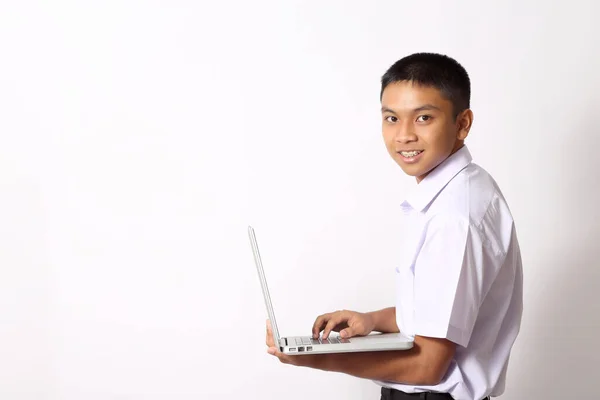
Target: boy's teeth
pixel 409 153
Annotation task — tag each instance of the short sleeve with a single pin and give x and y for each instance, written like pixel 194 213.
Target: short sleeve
pixel 447 281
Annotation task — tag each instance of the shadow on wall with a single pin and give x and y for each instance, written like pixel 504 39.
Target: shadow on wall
pixel 562 359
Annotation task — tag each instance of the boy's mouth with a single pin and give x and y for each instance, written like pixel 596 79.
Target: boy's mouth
pixel 410 156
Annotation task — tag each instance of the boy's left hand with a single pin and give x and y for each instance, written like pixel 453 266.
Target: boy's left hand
pixel 311 361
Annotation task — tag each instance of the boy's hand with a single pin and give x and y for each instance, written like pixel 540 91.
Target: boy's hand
pixel 347 323
pixel 273 348
pixel 311 361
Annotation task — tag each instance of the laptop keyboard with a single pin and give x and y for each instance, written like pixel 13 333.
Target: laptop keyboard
pixel 308 341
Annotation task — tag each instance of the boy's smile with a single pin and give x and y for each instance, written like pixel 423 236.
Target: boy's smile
pixel 419 127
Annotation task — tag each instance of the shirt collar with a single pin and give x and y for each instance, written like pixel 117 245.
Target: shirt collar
pixel 424 193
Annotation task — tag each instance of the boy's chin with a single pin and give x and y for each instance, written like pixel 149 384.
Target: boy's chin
pixel 414 172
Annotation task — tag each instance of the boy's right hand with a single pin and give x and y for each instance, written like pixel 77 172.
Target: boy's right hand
pixel 347 323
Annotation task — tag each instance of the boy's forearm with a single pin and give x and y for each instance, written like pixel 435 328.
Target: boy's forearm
pixel 385 320
pixel 393 366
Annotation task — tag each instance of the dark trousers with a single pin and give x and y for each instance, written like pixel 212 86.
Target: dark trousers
pixel 392 394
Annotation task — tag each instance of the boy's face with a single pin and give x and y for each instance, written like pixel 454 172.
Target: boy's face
pixel 419 127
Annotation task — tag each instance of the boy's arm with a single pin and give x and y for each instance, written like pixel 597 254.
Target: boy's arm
pixel 425 364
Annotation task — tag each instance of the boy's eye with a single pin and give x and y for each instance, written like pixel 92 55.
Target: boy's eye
pixel 391 118
pixel 423 118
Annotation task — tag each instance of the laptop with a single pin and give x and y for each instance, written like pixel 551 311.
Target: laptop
pixel 298 345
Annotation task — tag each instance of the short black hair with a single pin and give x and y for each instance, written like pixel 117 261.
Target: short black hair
pixel 433 70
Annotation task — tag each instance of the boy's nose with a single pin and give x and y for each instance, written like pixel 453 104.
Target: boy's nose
pixel 405 135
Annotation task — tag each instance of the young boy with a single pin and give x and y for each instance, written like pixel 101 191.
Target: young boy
pixel 459 274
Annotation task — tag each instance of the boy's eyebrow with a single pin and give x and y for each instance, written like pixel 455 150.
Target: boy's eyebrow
pixel 427 107
pixel 424 107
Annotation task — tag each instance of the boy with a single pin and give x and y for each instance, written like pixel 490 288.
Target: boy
pixel 459 272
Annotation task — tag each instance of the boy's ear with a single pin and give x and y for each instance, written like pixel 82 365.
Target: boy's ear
pixel 464 121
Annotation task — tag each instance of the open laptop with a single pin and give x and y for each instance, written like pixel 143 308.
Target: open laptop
pixel 297 345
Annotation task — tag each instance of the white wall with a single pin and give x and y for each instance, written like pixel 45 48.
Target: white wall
pixel 138 140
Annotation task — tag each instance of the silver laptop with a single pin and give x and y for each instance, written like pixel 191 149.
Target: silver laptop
pixel 297 345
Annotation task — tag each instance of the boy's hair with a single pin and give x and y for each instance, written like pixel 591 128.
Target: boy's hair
pixel 433 70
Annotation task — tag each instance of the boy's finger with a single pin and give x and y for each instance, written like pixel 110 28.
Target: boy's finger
pixel 318 325
pixel 269 339
pixel 347 333
pixel 332 323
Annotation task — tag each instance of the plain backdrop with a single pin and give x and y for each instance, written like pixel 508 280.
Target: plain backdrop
pixel 138 139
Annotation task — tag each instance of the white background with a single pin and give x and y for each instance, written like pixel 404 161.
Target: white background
pixel 139 139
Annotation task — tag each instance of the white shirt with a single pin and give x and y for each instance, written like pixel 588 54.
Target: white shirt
pixel 460 276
